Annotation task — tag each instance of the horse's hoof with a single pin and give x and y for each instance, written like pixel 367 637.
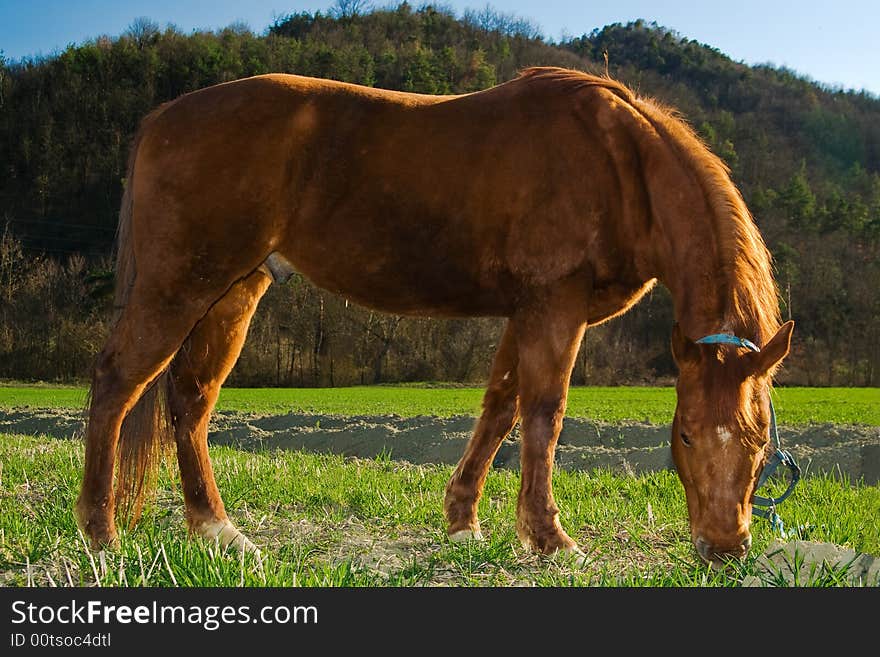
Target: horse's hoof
pixel 550 541
pixel 464 535
pixel 98 534
pixel 227 535
pixel 571 555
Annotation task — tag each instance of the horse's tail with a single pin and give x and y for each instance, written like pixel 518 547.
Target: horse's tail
pixel 147 431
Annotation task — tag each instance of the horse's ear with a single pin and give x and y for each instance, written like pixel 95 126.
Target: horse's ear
pixel 684 350
pixel 767 360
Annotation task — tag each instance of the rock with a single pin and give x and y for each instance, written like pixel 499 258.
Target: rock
pixel 809 563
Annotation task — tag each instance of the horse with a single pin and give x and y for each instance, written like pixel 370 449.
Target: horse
pixel 554 201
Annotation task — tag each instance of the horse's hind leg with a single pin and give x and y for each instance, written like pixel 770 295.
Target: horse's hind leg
pixel 197 373
pixel 500 412
pixel 140 346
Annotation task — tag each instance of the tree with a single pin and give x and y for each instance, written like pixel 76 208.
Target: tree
pixel 143 31
pixel 798 201
pixel 350 8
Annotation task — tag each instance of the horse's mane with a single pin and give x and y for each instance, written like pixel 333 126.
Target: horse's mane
pixel 752 301
pixel 576 80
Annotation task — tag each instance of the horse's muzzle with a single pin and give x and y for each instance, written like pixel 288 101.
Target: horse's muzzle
pixel 714 554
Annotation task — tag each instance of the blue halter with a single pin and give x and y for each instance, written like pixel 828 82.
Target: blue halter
pixel 780 456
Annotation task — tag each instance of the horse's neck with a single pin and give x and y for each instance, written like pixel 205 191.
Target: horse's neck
pixel 700 292
pixel 696 244
pixel 699 279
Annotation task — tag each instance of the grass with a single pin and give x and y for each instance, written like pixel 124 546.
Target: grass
pixel 794 406
pixel 324 520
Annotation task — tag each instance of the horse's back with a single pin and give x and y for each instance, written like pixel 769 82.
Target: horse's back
pixel 404 202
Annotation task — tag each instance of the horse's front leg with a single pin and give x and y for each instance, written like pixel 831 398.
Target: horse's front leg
pixel 548 337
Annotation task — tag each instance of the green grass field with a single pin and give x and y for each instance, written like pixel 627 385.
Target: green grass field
pixel 324 520
pixel 794 406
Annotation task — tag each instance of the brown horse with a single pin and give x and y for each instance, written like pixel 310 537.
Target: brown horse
pixel 555 200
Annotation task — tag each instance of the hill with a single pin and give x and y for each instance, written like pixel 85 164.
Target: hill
pixel 806 157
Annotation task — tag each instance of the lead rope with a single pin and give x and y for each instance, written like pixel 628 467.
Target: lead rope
pixel 780 456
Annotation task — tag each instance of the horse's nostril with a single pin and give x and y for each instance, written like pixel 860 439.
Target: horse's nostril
pixel 703 548
pixel 747 544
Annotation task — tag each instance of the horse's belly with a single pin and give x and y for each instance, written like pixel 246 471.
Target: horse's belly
pixel 416 285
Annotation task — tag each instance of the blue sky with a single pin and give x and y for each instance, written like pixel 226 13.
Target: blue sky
pixel 831 41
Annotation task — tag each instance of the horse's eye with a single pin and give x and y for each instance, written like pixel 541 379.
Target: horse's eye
pixel 685 439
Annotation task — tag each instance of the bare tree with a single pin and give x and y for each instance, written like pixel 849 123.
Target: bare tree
pixel 508 24
pixel 350 8
pixel 142 30
pixel 11 259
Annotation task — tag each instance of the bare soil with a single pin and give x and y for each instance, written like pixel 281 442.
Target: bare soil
pixel 850 452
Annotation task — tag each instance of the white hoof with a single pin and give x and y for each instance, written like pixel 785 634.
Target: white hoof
pixel 463 535
pixel 227 535
pixel 573 555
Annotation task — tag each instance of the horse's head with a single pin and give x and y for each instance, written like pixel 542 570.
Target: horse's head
pixel 720 436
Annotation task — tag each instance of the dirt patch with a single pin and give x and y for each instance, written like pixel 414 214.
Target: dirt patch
pixel 851 452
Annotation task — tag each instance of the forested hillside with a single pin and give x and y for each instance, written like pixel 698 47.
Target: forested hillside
pixel 807 159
